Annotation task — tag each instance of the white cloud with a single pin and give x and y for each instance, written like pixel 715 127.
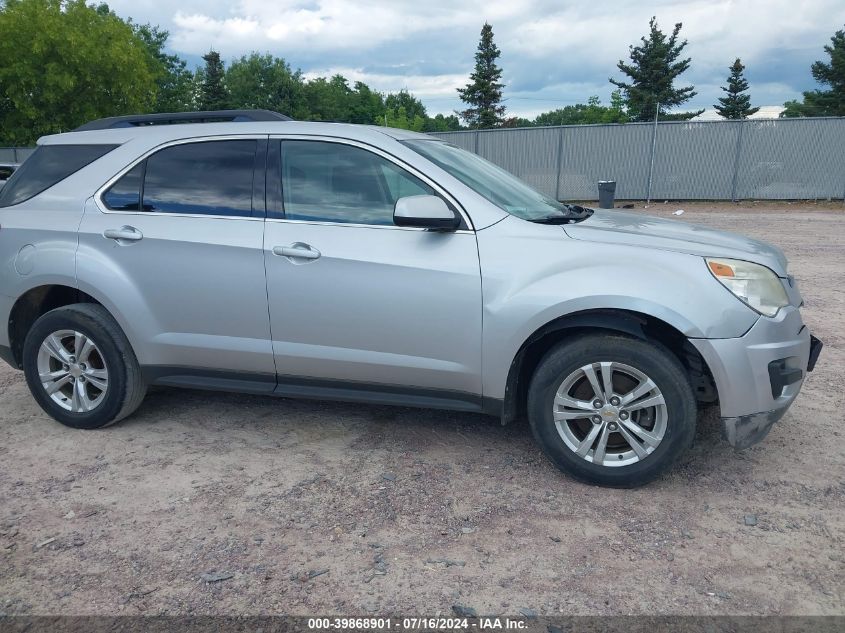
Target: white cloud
pixel 558 52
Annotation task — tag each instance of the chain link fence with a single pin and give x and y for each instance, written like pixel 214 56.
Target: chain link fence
pixel 775 159
pixel 786 159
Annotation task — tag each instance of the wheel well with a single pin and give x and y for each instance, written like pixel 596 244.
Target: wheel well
pixel 32 304
pixel 635 324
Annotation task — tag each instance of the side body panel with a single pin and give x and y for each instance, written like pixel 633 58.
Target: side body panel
pixel 190 293
pixel 38 243
pixel 534 274
pixel 381 306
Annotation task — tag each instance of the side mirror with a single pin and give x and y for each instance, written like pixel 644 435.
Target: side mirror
pixel 425 212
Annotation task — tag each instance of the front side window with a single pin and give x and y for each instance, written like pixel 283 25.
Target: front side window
pixel 204 178
pixel 333 182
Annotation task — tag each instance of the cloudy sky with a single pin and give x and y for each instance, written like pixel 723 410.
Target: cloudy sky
pixel 554 53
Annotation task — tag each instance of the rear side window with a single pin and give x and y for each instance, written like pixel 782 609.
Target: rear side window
pixel 206 178
pixel 48 165
pixel 125 194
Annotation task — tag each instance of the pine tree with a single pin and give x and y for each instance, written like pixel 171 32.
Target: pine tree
pixel 825 102
pixel 737 104
pixel 655 66
pixel 213 93
pixel 484 92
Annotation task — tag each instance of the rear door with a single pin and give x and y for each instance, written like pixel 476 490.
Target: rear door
pixel 175 243
pixel 357 303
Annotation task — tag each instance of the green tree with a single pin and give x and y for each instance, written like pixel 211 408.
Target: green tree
pixel 403 110
pixel 655 65
pixel 483 94
pixel 442 123
pixel 404 99
pixel 400 118
pixel 328 99
pixel 829 102
pixel 213 94
pixel 736 104
pixel 265 82
pixel 63 63
pixel 173 79
pixel 586 113
pixel 365 105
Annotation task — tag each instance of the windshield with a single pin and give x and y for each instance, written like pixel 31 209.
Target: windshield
pixel 494 183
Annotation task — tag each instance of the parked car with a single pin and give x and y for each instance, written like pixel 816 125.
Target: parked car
pixel 366 264
pixel 6 171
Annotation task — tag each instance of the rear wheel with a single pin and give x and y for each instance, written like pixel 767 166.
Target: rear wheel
pixel 80 367
pixel 612 410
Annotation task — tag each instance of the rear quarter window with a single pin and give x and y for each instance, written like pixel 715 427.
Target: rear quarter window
pixel 48 165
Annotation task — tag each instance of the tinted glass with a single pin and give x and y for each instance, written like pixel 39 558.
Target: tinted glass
pixel 339 183
pixel 211 178
pixel 48 165
pixel 494 183
pixel 125 194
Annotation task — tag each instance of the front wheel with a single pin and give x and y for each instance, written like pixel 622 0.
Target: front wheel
pixel 81 368
pixel 612 410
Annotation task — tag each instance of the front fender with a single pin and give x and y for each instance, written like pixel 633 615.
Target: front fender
pixel 534 274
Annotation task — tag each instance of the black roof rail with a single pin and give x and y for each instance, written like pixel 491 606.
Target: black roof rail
pixel 171 118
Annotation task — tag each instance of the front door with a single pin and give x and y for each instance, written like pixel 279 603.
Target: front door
pixel 357 303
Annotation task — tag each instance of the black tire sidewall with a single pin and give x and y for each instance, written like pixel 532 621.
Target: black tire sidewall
pixel 652 359
pixel 69 318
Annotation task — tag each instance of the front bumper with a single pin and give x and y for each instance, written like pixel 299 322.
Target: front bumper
pixel 759 375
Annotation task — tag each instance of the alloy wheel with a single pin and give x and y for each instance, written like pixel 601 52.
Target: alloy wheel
pixel 73 371
pixel 610 414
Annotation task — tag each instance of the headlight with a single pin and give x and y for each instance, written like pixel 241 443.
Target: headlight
pixel 755 285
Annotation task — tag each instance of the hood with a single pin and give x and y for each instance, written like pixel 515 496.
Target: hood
pixel 633 229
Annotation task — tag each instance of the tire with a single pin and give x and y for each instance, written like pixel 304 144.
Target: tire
pixel 561 386
pixel 91 392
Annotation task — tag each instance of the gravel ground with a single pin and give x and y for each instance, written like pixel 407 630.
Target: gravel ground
pixel 221 504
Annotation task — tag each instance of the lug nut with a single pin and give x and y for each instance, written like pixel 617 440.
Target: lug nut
pixel 72 359
pixel 83 366
pixel 597 404
pixel 614 401
pixel 623 415
pixel 82 379
pixel 612 427
pixel 596 419
pixel 66 367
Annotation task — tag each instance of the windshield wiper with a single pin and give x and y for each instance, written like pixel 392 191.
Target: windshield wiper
pixel 573 213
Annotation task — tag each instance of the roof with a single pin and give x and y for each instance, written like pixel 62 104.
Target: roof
pixel 157 134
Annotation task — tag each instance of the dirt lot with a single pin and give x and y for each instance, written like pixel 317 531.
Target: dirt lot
pixel 321 508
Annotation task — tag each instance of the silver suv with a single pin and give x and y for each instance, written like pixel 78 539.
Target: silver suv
pixel 243 251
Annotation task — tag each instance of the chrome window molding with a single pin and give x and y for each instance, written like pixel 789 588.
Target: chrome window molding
pixel 101 205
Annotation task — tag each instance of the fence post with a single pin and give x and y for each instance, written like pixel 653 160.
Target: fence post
pixel 742 124
pixel 477 132
pixel 653 146
pixel 559 161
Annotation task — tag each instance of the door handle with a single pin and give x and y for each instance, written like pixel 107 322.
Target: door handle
pixel 297 250
pixel 124 234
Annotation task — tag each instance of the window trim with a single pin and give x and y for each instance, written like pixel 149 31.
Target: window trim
pixel 275 206
pixel 258 215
